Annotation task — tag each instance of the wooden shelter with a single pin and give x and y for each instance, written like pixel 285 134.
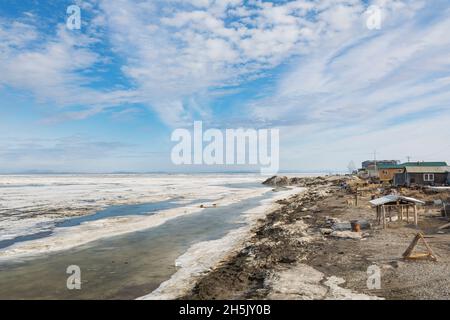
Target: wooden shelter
pixel 387 204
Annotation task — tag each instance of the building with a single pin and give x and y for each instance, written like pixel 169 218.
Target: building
pixel 372 163
pixel 423 173
pixel 386 172
pixel 371 167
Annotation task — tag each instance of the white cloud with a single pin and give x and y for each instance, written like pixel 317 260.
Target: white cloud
pixel 56 154
pixel 175 52
pixel 342 80
pixel 54 68
pixel 361 74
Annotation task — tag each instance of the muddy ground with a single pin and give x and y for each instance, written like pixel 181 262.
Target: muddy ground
pixel 293 253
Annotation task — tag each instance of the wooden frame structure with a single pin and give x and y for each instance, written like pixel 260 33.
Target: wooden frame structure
pixel 408 254
pixel 385 211
pixel 402 205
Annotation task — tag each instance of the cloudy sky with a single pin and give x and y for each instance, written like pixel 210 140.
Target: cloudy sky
pixel 108 96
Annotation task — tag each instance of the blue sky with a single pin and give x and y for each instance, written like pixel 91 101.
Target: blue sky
pixel 107 97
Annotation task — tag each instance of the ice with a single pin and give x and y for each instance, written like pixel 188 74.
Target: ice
pixel 33 203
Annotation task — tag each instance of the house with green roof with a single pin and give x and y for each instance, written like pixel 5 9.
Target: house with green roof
pixel 422 173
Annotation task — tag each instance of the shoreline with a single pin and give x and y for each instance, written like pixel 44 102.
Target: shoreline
pixel 203 256
pixel 293 253
pixel 148 257
pixel 258 269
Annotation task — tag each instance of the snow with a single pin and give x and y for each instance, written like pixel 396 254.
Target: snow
pixel 33 203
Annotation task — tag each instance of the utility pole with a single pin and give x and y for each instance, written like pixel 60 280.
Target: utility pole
pixel 409 158
pixel 375 161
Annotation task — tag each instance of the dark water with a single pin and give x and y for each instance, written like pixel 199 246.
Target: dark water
pixel 113 211
pixel 244 185
pixel 120 211
pixel 28 237
pixel 123 267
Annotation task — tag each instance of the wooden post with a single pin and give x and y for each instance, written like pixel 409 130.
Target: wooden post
pixel 401 213
pixel 443 208
pixel 376 211
pixel 445 226
pixel 383 216
pixel 407 213
pixel 416 222
pixel 379 214
pixel 356 197
pixel 411 247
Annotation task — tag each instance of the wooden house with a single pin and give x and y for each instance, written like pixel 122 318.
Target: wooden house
pixel 423 173
pixel 386 172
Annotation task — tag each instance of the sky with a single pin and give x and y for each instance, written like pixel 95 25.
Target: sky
pixel 107 97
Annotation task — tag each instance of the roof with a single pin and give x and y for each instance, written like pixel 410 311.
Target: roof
pixel 424 164
pixel 390 166
pixel 427 169
pixel 411 164
pixel 372 163
pixel 394 198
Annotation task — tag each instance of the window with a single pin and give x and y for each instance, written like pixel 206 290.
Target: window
pixel 428 177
